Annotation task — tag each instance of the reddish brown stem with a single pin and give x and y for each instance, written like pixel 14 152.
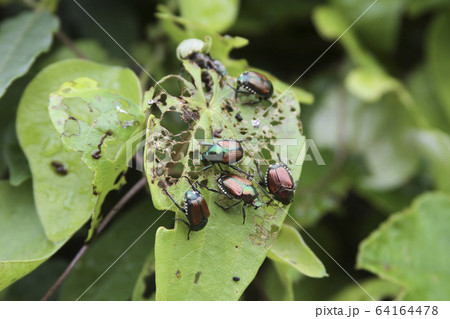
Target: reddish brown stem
pixel 140 184
pixel 69 43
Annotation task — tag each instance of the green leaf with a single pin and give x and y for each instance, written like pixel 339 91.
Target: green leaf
pixel 203 267
pixel 379 132
pixel 290 249
pixel 33 286
pixel 216 15
pixel 22 39
pixel 417 7
pixel 64 201
pixel 368 84
pixel 221 48
pixel 331 24
pixel 379 27
pixel 8 107
pixel 93 50
pixel 435 147
pixel 19 170
pixel 378 289
pixel 278 279
pixel 97 123
pixel 146 281
pixel 437 59
pixel 322 186
pixel 422 90
pixel 23 244
pixel 180 29
pixel 119 281
pixel 410 249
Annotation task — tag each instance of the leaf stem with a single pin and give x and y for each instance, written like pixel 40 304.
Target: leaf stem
pixel 69 43
pixel 113 212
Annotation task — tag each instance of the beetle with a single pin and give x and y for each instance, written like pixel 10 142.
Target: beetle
pixel 237 187
pixel 279 182
pixel 195 208
pixel 195 50
pixel 205 61
pixel 227 152
pixel 254 83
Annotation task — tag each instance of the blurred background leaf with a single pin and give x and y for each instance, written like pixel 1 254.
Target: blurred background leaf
pixel 119 282
pixel 22 38
pixel 23 244
pixel 405 249
pixel 379 120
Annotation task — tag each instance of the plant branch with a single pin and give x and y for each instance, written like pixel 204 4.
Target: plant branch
pixel 69 43
pixel 113 212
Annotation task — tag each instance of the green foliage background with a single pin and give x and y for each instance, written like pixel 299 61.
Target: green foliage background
pixel 376 105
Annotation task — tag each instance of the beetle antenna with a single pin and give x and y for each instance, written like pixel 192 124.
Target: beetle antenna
pixel 192 184
pixel 279 158
pixel 189 180
pixel 234 89
pixel 174 201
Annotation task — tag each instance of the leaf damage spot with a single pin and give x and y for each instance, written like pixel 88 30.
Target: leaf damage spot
pixel 59 168
pixel 216 133
pixel 197 276
pixel 178 274
pixel 98 153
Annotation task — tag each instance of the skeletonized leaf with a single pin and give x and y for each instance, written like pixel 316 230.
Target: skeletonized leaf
pixel 203 267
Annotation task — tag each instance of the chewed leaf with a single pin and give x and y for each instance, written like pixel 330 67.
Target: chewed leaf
pixel 62 183
pixel 225 248
pixel 98 123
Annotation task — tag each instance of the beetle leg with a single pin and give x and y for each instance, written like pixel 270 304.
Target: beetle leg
pixel 279 159
pixel 187 224
pixel 210 189
pixel 174 201
pixel 236 92
pixel 227 208
pixel 261 176
pixel 298 180
pixel 212 134
pixel 241 171
pixel 254 102
pixel 205 168
pixel 243 214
